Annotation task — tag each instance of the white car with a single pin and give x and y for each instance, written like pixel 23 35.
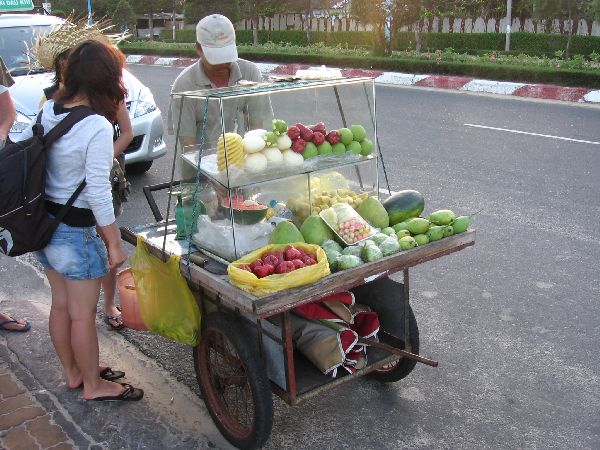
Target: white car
pixel 17 32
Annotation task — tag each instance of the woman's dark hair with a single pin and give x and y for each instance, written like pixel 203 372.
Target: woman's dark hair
pixel 59 63
pixel 95 70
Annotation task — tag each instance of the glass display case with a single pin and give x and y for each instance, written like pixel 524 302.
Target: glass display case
pixel 273 151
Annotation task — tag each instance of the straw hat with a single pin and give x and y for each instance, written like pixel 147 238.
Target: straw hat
pixel 67 36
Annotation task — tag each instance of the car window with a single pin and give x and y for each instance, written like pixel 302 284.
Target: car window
pixel 14 45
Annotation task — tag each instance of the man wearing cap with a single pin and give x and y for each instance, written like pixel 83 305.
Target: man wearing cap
pixel 218 66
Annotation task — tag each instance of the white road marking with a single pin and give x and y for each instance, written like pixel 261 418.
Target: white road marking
pixel 532 134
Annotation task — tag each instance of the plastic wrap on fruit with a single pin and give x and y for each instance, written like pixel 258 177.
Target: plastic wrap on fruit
pixel 329 244
pixel 370 252
pixel 332 256
pixel 390 246
pixel 348 262
pixel 352 250
pixel 379 238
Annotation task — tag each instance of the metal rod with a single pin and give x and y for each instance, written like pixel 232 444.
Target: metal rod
pixel 288 347
pixel 339 103
pixel 397 351
pixel 406 295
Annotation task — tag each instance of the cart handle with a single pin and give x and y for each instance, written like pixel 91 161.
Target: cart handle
pixel 148 190
pixel 397 351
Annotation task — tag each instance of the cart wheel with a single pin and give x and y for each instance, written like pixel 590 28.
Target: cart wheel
pixel 401 367
pixel 234 382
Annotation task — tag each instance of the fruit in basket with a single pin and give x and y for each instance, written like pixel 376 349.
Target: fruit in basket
pixel 245 212
pixel 338 148
pixel 442 217
pixel 354 147
pixel 333 137
pixel 460 224
pixel 346 136
pixel 245 267
pixel 270 258
pixel 285 233
pixel 310 151
pixel 291 252
pixel 418 225
pixel 373 212
pixel 319 127
pixel 293 132
pixel 298 145
pixel 308 260
pixel 292 159
pixel 264 270
pixel 254 264
pixel 404 205
pixel 315 230
pixel 285 267
pixel 318 138
pixel 407 242
pixel 235 152
pixel 324 148
pixel 358 132
pixel 298 264
pixel 435 232
pixel 253 143
pixel 366 146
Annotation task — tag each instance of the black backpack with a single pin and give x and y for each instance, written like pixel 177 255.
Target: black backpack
pixel 25 225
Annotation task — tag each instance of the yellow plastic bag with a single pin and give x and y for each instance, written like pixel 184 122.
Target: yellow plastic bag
pixel 249 282
pixel 166 303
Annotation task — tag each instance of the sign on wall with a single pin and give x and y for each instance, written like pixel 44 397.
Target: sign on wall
pixel 16 5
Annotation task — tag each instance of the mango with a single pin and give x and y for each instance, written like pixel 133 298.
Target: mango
pixel 388 230
pixel 460 224
pixel 448 230
pixel 418 225
pixel 400 226
pixel 421 239
pixel 407 242
pixel 401 233
pixel 435 233
pixel 442 217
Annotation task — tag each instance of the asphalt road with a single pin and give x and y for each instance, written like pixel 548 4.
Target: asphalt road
pixel 513 321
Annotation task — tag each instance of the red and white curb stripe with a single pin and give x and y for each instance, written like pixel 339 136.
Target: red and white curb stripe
pixel 541 91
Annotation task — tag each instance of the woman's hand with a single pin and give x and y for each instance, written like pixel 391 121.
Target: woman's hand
pixel 116 256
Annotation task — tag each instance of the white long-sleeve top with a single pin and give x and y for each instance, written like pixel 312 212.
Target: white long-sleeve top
pixel 86 151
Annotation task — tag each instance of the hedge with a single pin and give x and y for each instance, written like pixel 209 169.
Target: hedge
pixel 528 43
pixel 295 37
pixel 470 69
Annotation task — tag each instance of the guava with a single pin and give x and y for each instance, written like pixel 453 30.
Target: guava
pixel 346 136
pixel 310 151
pixel 448 230
pixel 324 148
pixel 407 242
pixel 400 226
pixel 338 148
pixel 354 147
pixel 388 230
pixel 366 147
pixel 358 132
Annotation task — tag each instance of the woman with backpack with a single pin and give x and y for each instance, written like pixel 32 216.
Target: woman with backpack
pixel 76 258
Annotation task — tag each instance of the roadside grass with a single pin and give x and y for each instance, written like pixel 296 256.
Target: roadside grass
pixel 577 71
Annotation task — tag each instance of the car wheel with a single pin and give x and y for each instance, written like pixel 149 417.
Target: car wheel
pixel 138 167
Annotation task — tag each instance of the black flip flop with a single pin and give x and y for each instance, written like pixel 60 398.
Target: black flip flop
pixel 129 394
pixel 26 326
pixel 110 375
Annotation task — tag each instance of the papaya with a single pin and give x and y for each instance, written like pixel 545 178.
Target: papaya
pixel 442 217
pixel 404 205
pixel 460 224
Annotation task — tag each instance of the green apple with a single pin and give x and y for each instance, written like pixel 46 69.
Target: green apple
pixel 366 147
pixel 358 131
pixel 346 136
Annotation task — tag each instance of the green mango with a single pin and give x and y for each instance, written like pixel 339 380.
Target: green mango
pixel 421 239
pixel 388 230
pixel 448 230
pixel 400 234
pixel 435 233
pixel 442 217
pixel 400 226
pixel 460 224
pixel 418 225
pixel 407 242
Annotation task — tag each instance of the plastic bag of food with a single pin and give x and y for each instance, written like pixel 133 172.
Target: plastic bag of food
pixel 348 262
pixel 390 246
pixel 379 238
pixel 328 244
pixel 167 305
pixel 370 252
pixel 249 282
pixel 349 226
pixel 352 250
pixel 332 256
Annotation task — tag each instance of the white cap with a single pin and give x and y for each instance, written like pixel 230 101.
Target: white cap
pixel 216 36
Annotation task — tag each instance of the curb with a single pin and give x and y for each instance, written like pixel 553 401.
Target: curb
pixel 539 91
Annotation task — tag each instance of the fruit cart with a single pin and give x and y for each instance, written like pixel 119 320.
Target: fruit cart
pixel 246 351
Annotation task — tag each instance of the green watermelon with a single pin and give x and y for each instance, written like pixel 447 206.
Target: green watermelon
pixel 404 205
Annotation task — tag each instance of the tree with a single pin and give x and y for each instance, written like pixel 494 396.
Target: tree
pixel 375 13
pixel 571 10
pixel 194 10
pixel 123 17
pixel 151 7
pixel 252 9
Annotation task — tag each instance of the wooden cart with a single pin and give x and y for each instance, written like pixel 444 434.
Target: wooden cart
pixel 246 350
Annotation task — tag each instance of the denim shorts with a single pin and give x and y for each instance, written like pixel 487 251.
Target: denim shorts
pixel 76 253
